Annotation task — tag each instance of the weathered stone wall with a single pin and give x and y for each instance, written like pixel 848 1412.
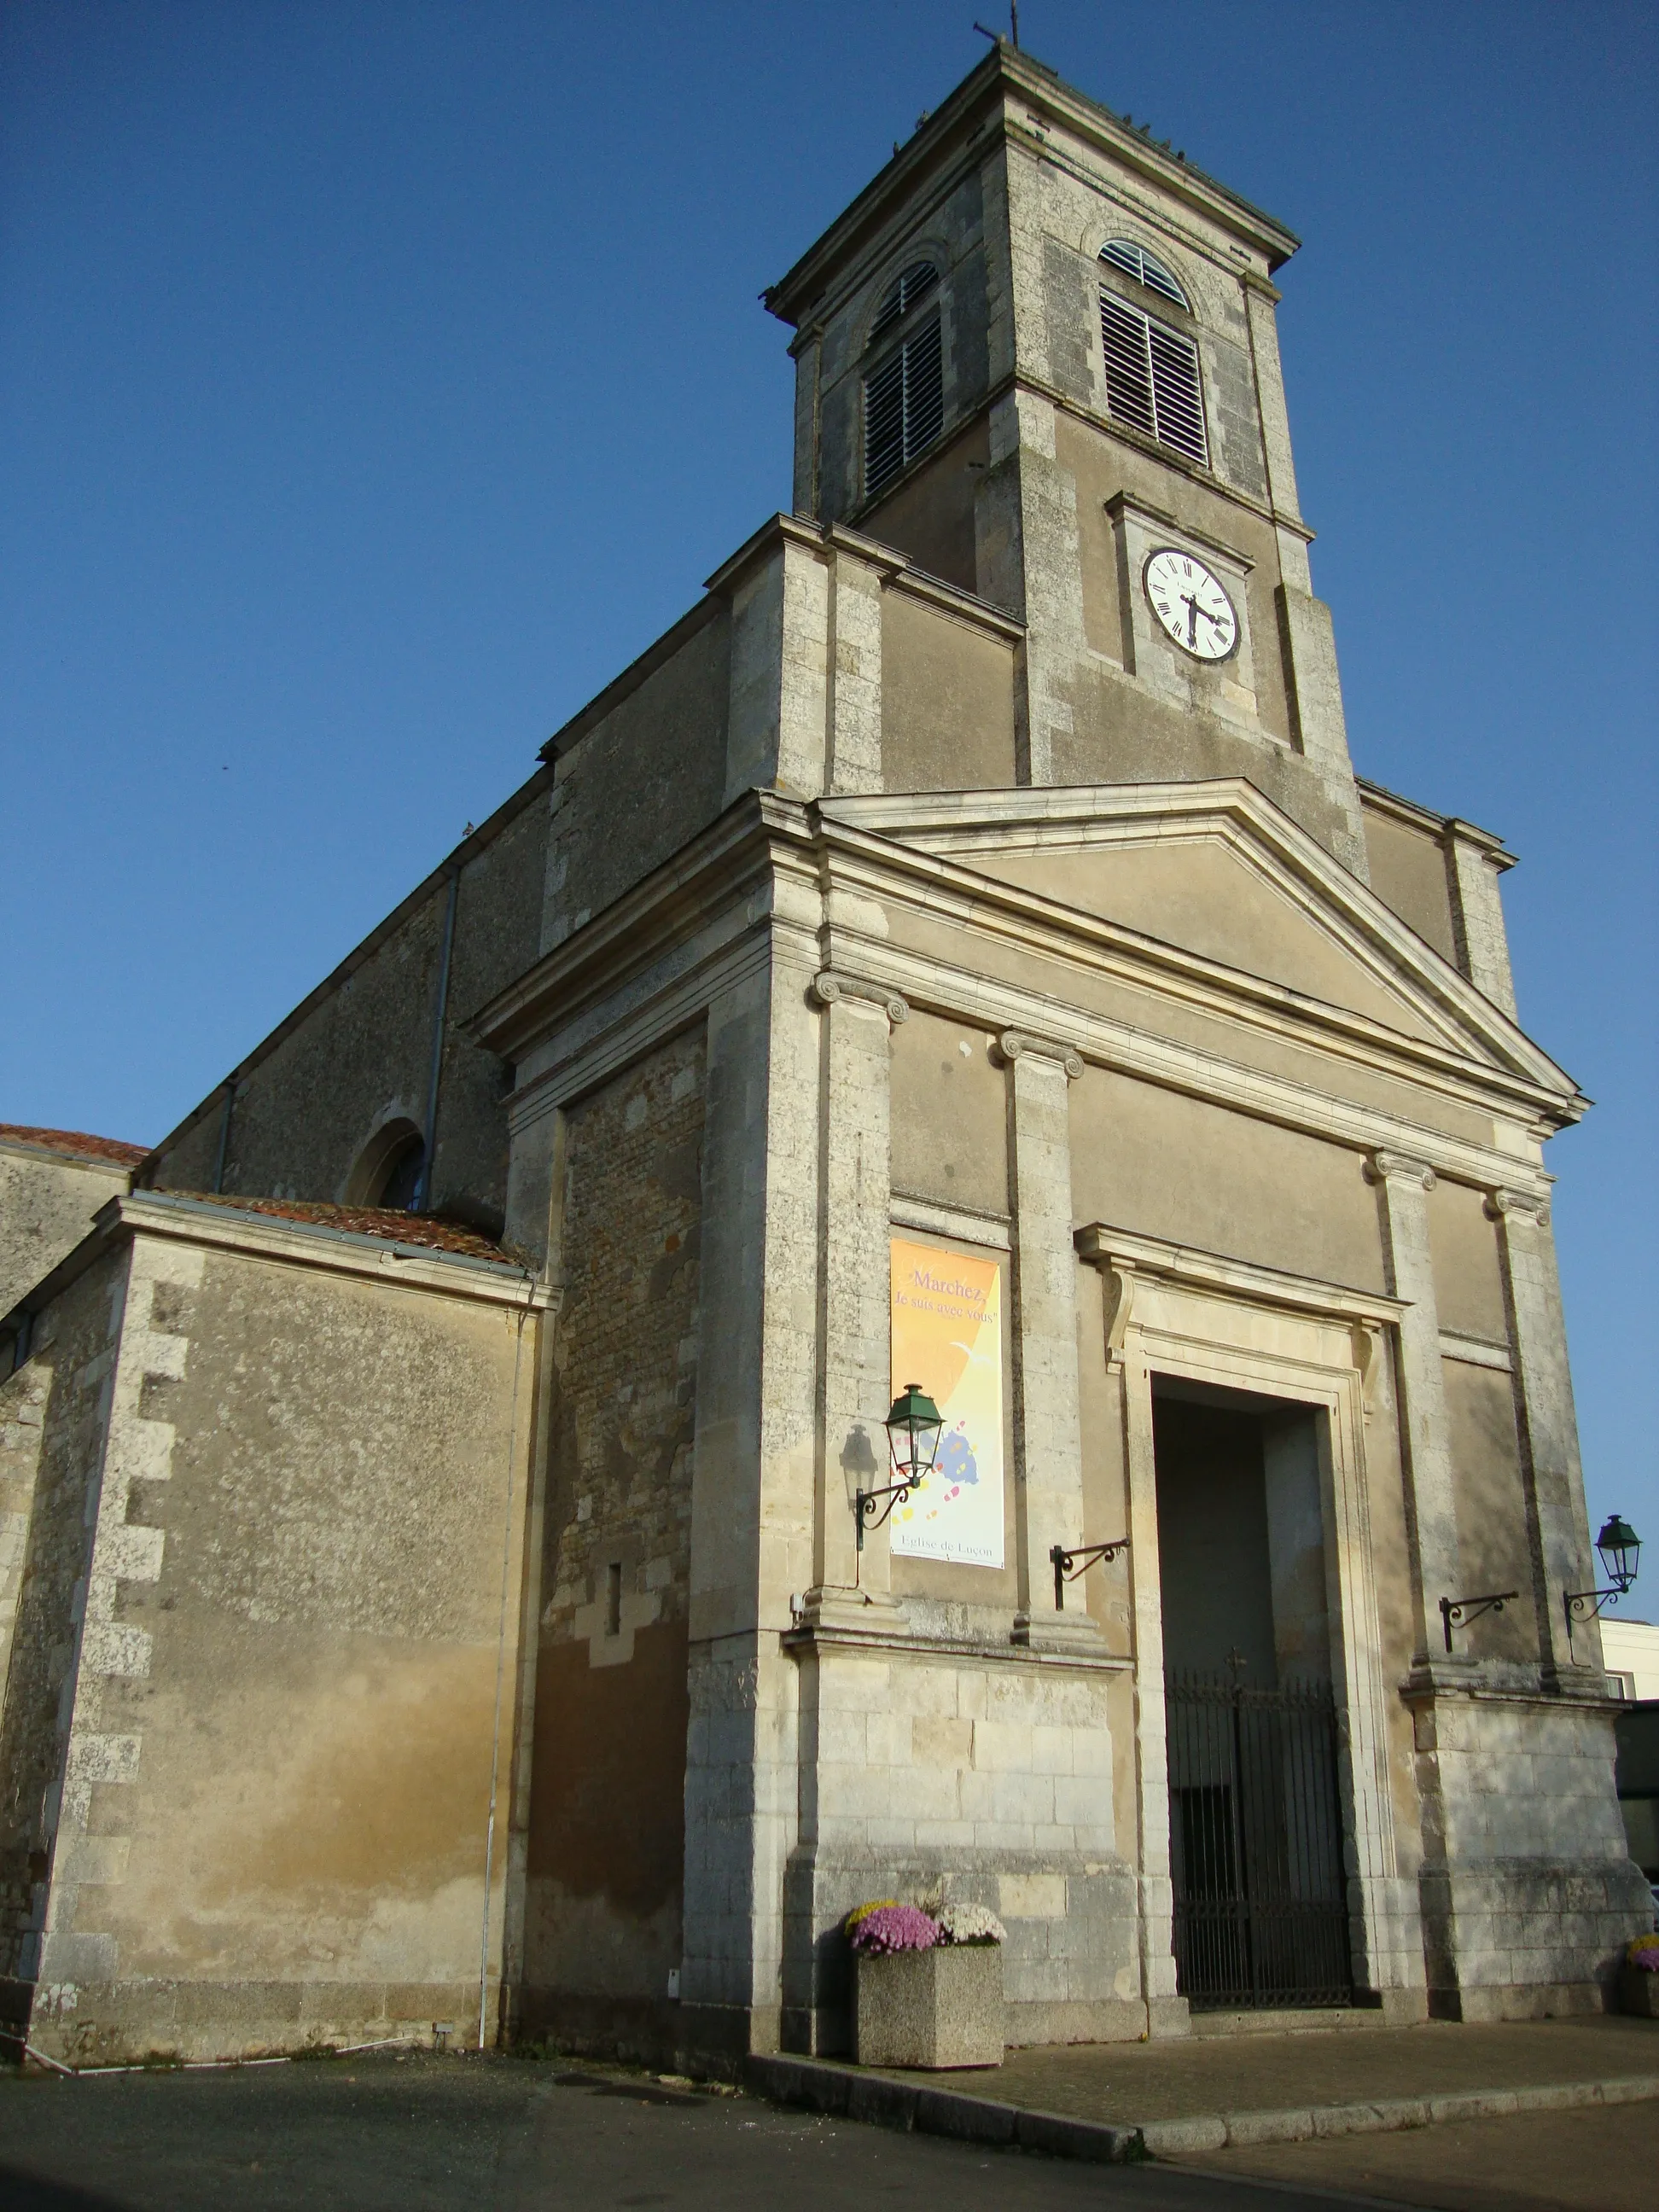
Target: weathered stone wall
pixel 606 1842
pixel 951 236
pixel 275 1791
pixel 639 780
pixel 47 1204
pixel 54 1416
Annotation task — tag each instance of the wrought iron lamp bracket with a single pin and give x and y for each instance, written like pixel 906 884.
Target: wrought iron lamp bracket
pixel 1069 1564
pixel 1459 1611
pixel 1586 1605
pixel 864 1503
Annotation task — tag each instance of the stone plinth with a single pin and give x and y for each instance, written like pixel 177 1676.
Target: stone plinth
pixel 930 2008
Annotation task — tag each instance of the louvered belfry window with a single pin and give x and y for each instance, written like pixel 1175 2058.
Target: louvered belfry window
pixel 1145 268
pixel 1151 379
pixel 904 396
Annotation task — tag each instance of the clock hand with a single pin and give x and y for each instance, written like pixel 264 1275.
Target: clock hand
pixel 1193 613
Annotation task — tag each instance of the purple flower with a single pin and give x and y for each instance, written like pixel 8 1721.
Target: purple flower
pixel 892 1928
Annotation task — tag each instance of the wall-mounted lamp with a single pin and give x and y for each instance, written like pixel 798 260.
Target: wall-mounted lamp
pixel 913 1428
pixel 1459 1611
pixel 1621 1549
pixel 1068 1566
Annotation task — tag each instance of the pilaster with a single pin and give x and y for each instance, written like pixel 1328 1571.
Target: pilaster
pixel 1474 864
pixel 1029 556
pixel 1403 1185
pixel 778 688
pixel 854 1109
pixel 1556 1526
pixel 1047 1441
pixel 855 674
pixel 751 1492
pixel 1167 2011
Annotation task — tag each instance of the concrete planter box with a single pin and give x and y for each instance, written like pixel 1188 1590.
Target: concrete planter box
pixel 1638 1992
pixel 932 2009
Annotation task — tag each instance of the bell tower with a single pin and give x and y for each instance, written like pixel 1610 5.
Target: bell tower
pixel 1038 355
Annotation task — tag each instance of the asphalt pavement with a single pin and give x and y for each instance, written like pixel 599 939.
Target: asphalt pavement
pixel 427 2134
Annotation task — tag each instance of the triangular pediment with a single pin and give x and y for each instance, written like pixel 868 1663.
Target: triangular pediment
pixel 1218 871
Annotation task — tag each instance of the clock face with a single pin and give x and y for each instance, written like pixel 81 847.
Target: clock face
pixel 1192 604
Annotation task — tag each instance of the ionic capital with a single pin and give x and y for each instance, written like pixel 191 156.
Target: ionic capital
pixel 1381 1167
pixel 828 986
pixel 1014 1043
pixel 1529 1206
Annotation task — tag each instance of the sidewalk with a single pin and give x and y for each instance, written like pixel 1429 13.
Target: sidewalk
pixel 1118 2100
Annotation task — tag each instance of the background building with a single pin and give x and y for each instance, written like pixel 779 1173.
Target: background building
pixel 962 939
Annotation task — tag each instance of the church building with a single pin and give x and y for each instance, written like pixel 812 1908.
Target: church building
pixel 455 1580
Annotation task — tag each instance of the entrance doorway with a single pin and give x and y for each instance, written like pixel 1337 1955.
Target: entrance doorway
pixel 1261 1895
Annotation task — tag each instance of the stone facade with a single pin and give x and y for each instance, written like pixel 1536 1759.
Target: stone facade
pixel 916 882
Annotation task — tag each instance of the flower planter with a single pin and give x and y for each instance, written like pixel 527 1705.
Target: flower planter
pixel 929 2008
pixel 1638 1992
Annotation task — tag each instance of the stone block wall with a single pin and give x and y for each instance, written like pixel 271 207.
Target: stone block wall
pixel 1528 1891
pixel 606 1840
pixel 988 1781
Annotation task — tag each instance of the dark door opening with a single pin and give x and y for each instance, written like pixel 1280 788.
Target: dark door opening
pixel 1256 1828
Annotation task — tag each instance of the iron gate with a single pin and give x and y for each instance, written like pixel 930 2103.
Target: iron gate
pixel 1255 1841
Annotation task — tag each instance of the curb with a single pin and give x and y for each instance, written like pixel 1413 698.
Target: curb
pixel 844 2092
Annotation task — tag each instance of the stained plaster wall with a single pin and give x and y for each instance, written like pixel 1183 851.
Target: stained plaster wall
pixel 1171 1166
pixel 306 1521
pixel 607 1834
pixel 47 1204
pixel 947 701
pixel 1408 872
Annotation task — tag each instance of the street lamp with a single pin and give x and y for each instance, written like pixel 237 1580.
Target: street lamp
pixel 1620 1548
pixel 913 1428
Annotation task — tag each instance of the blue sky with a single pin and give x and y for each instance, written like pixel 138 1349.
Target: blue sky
pixel 377 379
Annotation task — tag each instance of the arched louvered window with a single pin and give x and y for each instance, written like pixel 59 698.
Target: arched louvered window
pixel 1135 261
pixel 904 293
pixel 904 395
pixel 1152 378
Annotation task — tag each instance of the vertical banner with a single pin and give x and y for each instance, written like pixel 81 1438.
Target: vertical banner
pixel 947 1336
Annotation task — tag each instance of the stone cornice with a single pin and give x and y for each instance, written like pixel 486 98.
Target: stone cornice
pixel 1445 829
pixel 718 867
pixel 647 966
pixel 901 1642
pixel 1124 1252
pixel 1010 96
pixel 935 837
pixel 898 572
pixel 303 1243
